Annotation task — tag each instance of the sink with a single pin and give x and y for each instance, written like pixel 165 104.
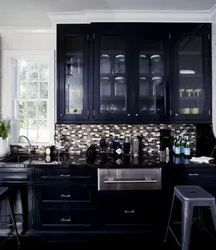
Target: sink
pixel 18 158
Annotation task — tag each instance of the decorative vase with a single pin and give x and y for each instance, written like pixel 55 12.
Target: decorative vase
pixel 4 147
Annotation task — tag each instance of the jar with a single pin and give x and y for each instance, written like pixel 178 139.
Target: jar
pixel 119 64
pixel 156 65
pixel 120 86
pixel 105 87
pixel 156 80
pixel 144 87
pixel 105 64
pixel 143 65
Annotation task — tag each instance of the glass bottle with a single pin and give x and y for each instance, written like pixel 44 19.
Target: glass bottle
pixel 135 147
pixel 127 146
pixel 177 146
pixel 105 89
pixel 182 145
pixel 187 151
pixel 173 143
pixel 143 65
pixel 119 64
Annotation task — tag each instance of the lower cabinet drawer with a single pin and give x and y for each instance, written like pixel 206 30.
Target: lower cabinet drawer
pixel 65 195
pixel 65 219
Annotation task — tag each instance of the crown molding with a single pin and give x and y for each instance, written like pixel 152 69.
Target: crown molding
pixel 21 30
pixel 89 16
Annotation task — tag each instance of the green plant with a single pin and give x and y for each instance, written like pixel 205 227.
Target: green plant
pixel 4 129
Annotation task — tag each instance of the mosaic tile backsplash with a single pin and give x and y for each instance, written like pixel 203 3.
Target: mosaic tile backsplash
pixel 77 138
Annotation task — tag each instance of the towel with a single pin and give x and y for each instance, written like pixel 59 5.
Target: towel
pixel 201 159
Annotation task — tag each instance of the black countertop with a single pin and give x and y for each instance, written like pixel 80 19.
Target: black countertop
pixel 104 161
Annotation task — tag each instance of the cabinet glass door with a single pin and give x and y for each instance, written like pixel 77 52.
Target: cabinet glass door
pixel 112 77
pixel 190 99
pixel 73 87
pixel 152 79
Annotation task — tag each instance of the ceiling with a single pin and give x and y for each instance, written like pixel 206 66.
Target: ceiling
pixel 34 13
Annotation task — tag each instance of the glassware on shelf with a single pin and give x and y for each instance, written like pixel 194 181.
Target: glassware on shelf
pixel 181 92
pixel 119 64
pixel 156 80
pixel 156 65
pixel 189 91
pixel 70 68
pixel 143 65
pixel 120 86
pixel 144 87
pixel 105 87
pixel 198 92
pixel 194 111
pixel 105 64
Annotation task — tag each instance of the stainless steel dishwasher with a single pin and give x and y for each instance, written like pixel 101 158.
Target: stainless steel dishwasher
pixel 129 179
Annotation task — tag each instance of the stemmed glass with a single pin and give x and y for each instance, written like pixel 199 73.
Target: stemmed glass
pixel 181 92
pixel 189 91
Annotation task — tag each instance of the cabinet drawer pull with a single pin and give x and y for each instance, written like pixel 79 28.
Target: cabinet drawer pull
pixel 195 174
pixel 65 220
pixel 129 212
pixel 64 175
pixel 65 196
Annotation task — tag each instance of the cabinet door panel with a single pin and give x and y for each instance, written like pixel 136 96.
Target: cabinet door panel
pixel 73 79
pixel 151 91
pixel 111 71
pixel 191 98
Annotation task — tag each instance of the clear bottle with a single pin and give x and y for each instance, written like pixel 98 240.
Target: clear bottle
pixel 173 142
pixel 187 151
pixel 177 146
pixel 135 146
pixel 120 86
pixel 182 145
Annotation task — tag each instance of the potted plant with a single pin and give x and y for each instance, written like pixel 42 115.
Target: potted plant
pixel 4 133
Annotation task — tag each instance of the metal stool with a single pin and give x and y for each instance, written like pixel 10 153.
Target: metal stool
pixel 190 196
pixel 4 193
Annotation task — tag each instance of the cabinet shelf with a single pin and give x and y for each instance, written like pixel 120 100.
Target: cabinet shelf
pixel 113 98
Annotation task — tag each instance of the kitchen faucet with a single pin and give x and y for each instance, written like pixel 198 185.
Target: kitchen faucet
pixel 29 149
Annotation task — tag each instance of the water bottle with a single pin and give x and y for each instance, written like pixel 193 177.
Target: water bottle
pixel 135 147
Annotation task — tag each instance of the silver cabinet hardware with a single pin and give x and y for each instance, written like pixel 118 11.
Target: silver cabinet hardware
pixel 94 112
pixel 61 114
pixel 209 112
pixel 195 174
pixel 169 36
pixel 93 36
pixel 136 114
pixel 65 196
pixel 87 37
pixel 129 212
pixel 65 220
pixel 176 114
pixel 170 112
pixel 64 175
pixel 130 181
pixel 128 114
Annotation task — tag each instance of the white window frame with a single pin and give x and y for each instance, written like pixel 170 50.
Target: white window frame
pixel 7 90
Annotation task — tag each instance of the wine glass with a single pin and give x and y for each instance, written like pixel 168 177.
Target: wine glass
pixel 181 92
pixel 189 91
pixel 198 91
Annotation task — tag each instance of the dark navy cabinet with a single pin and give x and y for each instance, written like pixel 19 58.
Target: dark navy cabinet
pixel 134 73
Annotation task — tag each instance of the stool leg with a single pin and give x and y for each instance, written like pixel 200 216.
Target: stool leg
pixel 213 211
pixel 170 216
pixel 14 221
pixel 187 214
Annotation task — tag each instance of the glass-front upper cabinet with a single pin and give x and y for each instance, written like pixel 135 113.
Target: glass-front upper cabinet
pixel 73 77
pixel 151 71
pixel 110 77
pixel 192 92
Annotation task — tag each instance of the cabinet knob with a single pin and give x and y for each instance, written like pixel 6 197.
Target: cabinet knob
pixel 193 174
pixel 128 114
pixel 129 212
pixel 61 114
pixel 176 114
pixel 136 114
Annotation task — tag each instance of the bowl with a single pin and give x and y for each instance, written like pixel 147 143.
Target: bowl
pixel 194 111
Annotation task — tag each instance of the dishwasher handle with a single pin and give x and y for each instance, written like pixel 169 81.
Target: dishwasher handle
pixel 129 181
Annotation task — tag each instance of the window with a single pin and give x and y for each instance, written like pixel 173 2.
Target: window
pixel 32 88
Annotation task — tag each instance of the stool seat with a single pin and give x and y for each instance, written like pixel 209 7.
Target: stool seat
pixel 3 190
pixel 192 193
